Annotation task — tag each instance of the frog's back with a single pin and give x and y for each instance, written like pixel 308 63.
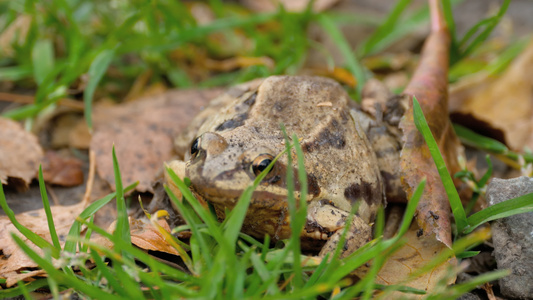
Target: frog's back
pixel 341 166
pixel 339 159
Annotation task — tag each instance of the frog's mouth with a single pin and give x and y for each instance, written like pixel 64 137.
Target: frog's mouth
pixel 228 198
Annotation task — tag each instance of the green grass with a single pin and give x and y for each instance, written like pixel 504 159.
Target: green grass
pixel 223 262
pixel 67 40
pixel 466 225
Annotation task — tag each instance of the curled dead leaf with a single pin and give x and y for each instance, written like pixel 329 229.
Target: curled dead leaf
pixel 430 84
pixel 20 153
pixel 500 107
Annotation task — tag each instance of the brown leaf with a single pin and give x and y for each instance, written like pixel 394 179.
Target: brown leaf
pixel 20 153
pixel 13 277
pixel 500 107
pixel 417 252
pixel 429 85
pixel 143 132
pixel 62 170
pixel 145 236
pixel 13 259
pixel 290 5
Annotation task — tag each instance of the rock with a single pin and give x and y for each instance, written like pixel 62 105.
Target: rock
pixel 469 296
pixel 513 238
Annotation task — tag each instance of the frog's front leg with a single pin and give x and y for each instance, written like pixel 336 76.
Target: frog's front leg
pixel 327 222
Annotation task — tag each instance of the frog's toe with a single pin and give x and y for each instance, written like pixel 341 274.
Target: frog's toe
pixel 358 235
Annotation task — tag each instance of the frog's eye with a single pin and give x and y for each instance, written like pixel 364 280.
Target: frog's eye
pixel 194 147
pixel 261 162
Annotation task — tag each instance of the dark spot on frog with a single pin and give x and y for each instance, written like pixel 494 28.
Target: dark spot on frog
pixel 312 226
pixel 327 137
pixel 278 106
pixel 419 232
pixel 324 202
pixel 393 189
pixel 312 185
pixel 251 100
pixel 237 121
pixel 365 191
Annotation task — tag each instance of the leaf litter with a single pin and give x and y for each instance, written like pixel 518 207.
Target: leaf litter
pixel 143 130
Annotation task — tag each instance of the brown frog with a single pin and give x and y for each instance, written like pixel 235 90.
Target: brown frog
pixel 350 156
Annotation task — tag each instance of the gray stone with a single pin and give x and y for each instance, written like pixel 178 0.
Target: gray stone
pixel 513 238
pixel 469 296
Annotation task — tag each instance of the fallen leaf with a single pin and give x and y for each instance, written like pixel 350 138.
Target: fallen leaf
pixel 416 253
pixel 20 153
pixel 430 84
pixel 290 5
pixel 145 236
pixel 143 132
pixel 80 136
pixel 62 170
pixel 12 258
pixel 499 107
pixel 14 277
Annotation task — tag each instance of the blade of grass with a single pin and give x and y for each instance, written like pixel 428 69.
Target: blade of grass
pixel 453 196
pixel 42 59
pixel 473 139
pixel 136 252
pixel 30 235
pixel 18 290
pixel 192 219
pixel 352 63
pixel 48 211
pixel 235 219
pixel 385 27
pixel 483 35
pixel 24 291
pixel 96 72
pixel 458 289
pixel 467 254
pixel 59 276
pixel 122 230
pixel 106 273
pixel 15 73
pixel 291 202
pixel 500 210
pixel 89 211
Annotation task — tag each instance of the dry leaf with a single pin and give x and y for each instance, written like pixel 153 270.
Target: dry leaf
pixel 429 85
pixel 13 277
pixel 143 132
pixel 145 236
pixel 290 5
pixel 417 252
pixel 62 170
pixel 20 153
pixel 13 259
pixel 79 136
pixel 501 107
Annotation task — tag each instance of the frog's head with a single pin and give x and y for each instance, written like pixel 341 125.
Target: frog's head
pixel 222 165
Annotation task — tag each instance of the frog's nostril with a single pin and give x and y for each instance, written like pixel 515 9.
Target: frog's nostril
pixel 213 143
